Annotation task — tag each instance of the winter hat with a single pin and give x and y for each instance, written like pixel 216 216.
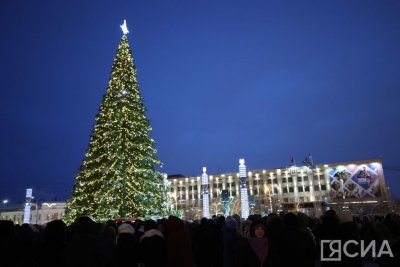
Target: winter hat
pixel 90 217
pixel 126 229
pixel 290 220
pixel 84 225
pixel 231 222
pixel 246 223
pixel 259 224
pixel 174 224
pixel 150 224
pixel 256 224
pixel 237 218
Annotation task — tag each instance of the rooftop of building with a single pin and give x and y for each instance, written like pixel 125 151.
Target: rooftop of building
pixel 288 167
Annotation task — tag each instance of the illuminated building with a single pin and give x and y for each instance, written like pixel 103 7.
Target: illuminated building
pixel 40 214
pixel 358 186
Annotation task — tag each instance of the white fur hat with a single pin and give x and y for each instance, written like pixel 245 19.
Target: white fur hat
pixel 126 229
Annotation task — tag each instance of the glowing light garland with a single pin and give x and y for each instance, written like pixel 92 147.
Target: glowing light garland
pixel 244 198
pixel 117 177
pixel 206 199
pixel 27 208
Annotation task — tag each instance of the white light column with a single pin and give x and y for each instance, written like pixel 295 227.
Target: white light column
pixel 244 198
pixel 27 209
pixel 167 203
pixel 204 189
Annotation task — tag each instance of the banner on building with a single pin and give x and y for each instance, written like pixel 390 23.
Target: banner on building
pixel 356 181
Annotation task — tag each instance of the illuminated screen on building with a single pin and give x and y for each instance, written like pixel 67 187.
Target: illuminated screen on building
pixel 356 181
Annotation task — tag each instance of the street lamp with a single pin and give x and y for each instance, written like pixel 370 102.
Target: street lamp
pixel 5 201
pixel 36 204
pixel 270 198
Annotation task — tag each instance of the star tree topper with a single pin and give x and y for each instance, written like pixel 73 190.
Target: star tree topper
pixel 124 27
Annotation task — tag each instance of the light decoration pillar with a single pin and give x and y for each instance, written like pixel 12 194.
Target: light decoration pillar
pixel 167 190
pixel 293 173
pixel 27 208
pixel 244 198
pixel 204 189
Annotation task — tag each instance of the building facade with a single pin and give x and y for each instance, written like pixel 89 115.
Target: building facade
pixel 358 186
pixel 40 214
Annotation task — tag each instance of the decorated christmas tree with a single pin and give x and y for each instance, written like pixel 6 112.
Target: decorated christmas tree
pixel 118 177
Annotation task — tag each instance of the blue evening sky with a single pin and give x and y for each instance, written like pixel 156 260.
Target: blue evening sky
pixel 263 80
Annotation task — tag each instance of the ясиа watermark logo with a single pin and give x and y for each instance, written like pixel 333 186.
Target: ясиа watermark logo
pixel 332 250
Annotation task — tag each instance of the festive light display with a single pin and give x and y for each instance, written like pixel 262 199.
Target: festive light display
pixel 27 208
pixel 244 198
pixel 117 177
pixel 206 199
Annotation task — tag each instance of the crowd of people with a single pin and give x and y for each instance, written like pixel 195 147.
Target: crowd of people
pixel 284 240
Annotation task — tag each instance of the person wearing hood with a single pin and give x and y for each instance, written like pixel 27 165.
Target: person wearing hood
pixel 231 241
pixel 296 245
pixel 153 245
pixel 179 244
pixel 245 229
pixel 257 250
pixel 53 242
pixel 82 239
pixel 127 246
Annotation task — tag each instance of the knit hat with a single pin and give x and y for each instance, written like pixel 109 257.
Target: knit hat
pixel 126 229
pixel 259 224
